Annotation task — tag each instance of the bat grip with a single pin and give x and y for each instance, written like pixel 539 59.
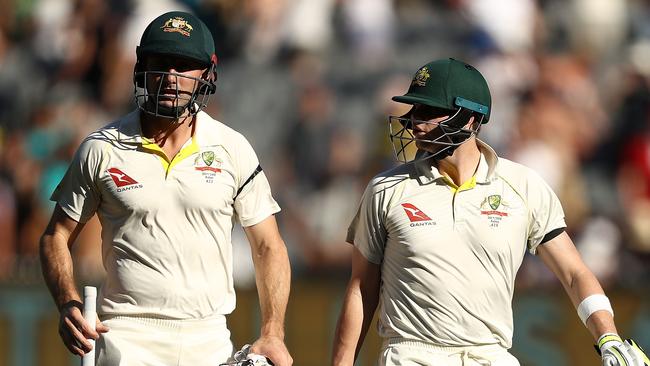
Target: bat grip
pixel 90 316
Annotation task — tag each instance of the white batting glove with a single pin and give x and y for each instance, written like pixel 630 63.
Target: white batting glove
pixel 244 357
pixel 259 360
pixel 616 352
pixel 242 353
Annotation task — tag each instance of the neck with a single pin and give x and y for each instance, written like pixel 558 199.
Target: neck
pixel 462 164
pixel 165 131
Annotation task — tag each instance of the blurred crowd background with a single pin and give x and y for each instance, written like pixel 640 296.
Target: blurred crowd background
pixel 309 83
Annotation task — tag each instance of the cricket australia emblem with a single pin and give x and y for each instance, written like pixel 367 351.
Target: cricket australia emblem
pixel 177 25
pixel 208 164
pixel 208 157
pixel 494 201
pixel 490 208
pixel 421 77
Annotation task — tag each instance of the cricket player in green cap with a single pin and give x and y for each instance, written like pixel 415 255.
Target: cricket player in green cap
pixel 168 182
pixel 438 240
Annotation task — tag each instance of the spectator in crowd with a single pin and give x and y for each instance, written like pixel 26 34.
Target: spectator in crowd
pixel 309 67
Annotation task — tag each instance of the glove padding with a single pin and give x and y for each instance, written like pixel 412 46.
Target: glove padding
pixel 244 357
pixel 616 352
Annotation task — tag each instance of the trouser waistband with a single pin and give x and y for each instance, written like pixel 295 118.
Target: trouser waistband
pixel 195 323
pixel 427 345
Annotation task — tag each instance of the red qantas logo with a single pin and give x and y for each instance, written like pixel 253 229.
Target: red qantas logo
pixel 414 213
pixel 120 178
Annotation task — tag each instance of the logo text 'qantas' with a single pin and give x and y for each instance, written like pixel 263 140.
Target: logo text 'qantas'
pixel 416 216
pixel 123 181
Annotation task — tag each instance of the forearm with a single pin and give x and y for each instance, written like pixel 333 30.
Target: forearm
pixel 273 278
pixel 356 317
pixel 560 256
pixel 56 263
pixel 583 285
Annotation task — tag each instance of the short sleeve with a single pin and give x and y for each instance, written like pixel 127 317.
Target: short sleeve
pixel 77 193
pixel 253 201
pixel 546 213
pixel 367 230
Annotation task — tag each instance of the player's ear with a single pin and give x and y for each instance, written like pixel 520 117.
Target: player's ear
pixel 210 76
pixel 475 122
pixel 470 122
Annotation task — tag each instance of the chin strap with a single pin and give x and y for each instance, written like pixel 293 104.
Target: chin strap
pixel 173 112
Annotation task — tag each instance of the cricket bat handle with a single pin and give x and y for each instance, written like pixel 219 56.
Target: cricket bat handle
pixel 90 315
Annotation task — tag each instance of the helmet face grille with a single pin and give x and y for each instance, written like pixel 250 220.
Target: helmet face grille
pixel 402 139
pixel 151 99
pixel 442 141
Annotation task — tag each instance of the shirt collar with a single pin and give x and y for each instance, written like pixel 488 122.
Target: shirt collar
pixel 202 132
pixel 484 173
pixel 488 163
pixel 130 129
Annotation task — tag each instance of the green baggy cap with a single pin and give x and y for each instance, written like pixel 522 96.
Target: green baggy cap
pixel 449 84
pixel 178 33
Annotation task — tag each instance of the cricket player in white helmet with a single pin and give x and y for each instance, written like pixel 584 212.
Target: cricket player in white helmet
pixel 438 240
pixel 168 182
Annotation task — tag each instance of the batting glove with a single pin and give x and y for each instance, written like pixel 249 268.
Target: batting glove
pixel 616 352
pixel 244 357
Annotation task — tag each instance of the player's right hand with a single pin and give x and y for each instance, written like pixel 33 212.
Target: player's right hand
pixel 616 352
pixel 274 348
pixel 75 331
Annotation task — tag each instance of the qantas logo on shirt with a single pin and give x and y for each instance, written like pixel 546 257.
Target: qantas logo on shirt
pixel 414 213
pixel 416 216
pixel 122 181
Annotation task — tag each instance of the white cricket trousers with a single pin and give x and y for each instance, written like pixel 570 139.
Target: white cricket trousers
pixel 140 341
pixel 403 352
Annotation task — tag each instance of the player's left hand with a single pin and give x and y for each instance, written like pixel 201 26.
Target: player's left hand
pixel 273 348
pixel 616 352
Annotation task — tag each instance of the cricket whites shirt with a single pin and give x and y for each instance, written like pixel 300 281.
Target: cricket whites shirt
pixel 166 222
pixel 449 255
